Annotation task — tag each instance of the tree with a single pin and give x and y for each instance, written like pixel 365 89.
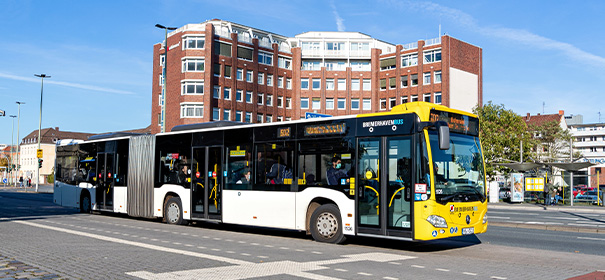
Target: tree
pixel 552 141
pixel 501 132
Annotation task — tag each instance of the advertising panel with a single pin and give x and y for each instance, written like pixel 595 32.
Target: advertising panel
pixel 516 191
pixel 534 184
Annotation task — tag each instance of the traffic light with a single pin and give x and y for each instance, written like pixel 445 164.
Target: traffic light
pixel 39 163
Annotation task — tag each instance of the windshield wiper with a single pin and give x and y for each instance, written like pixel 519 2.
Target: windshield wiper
pixel 475 191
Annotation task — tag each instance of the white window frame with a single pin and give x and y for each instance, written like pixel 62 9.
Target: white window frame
pixel 414 98
pixel 426 78
pixel 280 102
pixel 404 79
pixel 368 103
pixel 437 94
pixel 265 56
pixel 302 82
pixel 318 80
pixel 260 118
pixel 288 83
pixel 228 96
pixel 239 74
pixel 430 56
pixel 228 113
pixel 383 101
pixel 369 83
pixel 288 102
pixel 315 103
pixel 391 101
pixel 425 95
pixel 404 99
pixel 329 84
pixel 344 104
pixel 355 84
pixel 239 114
pixel 270 80
pixel 187 60
pixel 261 78
pixel 280 82
pixel 195 84
pixel 194 106
pixel 216 92
pixel 353 101
pixel 249 76
pixel 218 111
pixel 341 84
pixel 248 116
pixel 260 96
pixel 251 97
pixel 304 99
pixel 195 38
pixel 329 103
pixel 409 60
pixel 241 94
pixel 284 62
pixel 437 74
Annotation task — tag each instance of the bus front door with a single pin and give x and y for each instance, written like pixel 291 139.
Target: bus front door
pixel 207 183
pixel 383 199
pixel 105 181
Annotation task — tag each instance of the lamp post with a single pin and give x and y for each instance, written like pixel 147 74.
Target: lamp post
pixel 42 76
pixel 163 114
pixel 18 145
pixel 12 152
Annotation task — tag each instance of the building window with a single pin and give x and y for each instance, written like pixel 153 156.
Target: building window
pixel 360 66
pixel 304 83
pixel 311 65
pixel 259 118
pixel 191 110
pixel 269 80
pixel 335 65
pixel 217 70
pixel 227 93
pixel 367 84
pixel 437 77
pixel 249 74
pixel 355 104
pixel 226 114
pixel 288 103
pixel 383 84
pixel 238 116
pixel 341 103
pixel 216 114
pixel 261 78
pixel 248 97
pixel 367 104
pixel 193 65
pixel 240 74
pixel 392 83
pixel 404 81
pixel 216 93
pixel 280 118
pixel 283 62
pixel 227 72
pixel 426 97
pixel 304 103
pixel 404 99
pixel 414 98
pixel 432 56
pixel 244 53
pixel 316 103
pixel 383 104
pixel 355 84
pixel 388 63
pixel 193 42
pixel 265 58
pixel 392 102
pixel 427 78
pixel 162 60
pixel 330 84
pixel 222 48
pixel 280 102
pixel 260 98
pixel 342 84
pixel 409 60
pixel 316 83
pixel 269 100
pixel 437 97
pixel 248 118
pixel 192 88
pixel 280 82
pixel 414 80
pixel 269 118
pixel 330 103
pixel 288 83
pixel 239 95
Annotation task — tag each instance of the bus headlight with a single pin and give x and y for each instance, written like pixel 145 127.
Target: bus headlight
pixel 485 218
pixel 437 221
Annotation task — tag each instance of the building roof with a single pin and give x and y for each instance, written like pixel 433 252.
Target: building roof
pixel 539 120
pixel 51 135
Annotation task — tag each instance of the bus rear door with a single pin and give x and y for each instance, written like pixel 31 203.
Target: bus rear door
pixel 207 182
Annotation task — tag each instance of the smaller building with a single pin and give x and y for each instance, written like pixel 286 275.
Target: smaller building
pixel 28 157
pixel 589 139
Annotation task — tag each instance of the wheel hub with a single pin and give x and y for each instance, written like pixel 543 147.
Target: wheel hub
pixel 173 213
pixel 327 225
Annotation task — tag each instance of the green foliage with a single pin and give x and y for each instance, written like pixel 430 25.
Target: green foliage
pixel 552 141
pixel 501 132
pixel 51 178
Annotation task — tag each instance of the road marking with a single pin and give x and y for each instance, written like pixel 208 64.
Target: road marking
pixel 390 278
pixel 442 269
pixel 498 277
pixel 592 238
pixel 284 248
pixel 417 266
pixel 364 273
pixel 469 273
pixel 254 244
pixel 395 263
pixel 269 246
pixel 245 254
pixel 497 217
pixel 263 257
pixel 340 269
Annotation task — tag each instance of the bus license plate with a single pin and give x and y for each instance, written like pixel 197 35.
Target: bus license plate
pixel 469 230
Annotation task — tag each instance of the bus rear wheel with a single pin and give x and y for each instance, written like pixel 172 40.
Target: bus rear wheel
pixel 326 224
pixel 173 211
pixel 85 204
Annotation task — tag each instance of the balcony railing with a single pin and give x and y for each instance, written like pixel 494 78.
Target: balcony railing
pixel 244 37
pixel 434 41
pixel 410 46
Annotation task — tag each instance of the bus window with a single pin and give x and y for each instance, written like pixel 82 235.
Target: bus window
pixel 238 168
pixel 174 159
pixel 399 187
pixel 368 186
pixel 87 165
pixel 274 163
pixel 328 163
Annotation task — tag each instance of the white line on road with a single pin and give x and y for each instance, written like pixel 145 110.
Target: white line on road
pixel 469 273
pixel 498 277
pixel 364 273
pixel 442 269
pixel 592 238
pixel 390 278
pixel 417 266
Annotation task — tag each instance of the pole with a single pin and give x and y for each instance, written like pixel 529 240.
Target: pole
pixel 521 150
pixel 12 147
pixel 18 145
pixel 42 76
pixel 163 113
pixel 571 186
pixel 571 175
pixel 598 189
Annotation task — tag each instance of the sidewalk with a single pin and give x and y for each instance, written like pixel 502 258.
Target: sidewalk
pixel 47 188
pixel 539 207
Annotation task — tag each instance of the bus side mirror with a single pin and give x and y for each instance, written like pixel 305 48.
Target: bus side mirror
pixel 443 132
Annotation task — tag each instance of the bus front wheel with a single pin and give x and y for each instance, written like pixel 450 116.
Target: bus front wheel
pixel 174 211
pixel 85 203
pixel 326 224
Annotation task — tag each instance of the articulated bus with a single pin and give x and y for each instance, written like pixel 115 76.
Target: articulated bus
pixel 414 173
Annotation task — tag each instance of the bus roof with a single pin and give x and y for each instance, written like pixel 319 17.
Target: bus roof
pixel 421 108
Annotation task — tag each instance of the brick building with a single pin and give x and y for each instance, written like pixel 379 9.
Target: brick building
pixel 219 70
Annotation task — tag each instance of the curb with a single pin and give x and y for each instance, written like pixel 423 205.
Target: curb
pixel 549 227
pixel 596 209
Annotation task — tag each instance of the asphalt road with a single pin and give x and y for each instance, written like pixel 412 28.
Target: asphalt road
pixel 72 245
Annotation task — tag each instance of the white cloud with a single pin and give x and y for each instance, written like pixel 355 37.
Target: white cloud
pixel 339 21
pixel 66 84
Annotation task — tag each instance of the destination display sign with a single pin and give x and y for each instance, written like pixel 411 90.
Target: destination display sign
pixel 456 122
pixel 325 129
pixel 283 132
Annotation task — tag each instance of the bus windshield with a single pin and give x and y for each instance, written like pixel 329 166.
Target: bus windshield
pixel 459 172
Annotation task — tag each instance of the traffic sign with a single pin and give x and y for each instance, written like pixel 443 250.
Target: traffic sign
pixel 4 181
pixel 309 115
pixel 39 153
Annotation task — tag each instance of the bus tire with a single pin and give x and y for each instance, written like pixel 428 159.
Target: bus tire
pixel 85 203
pixel 173 211
pixel 326 224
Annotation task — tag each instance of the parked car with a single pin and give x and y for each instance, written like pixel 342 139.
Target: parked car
pixel 504 194
pixel 588 196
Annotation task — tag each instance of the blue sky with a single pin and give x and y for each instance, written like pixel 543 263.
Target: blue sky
pixel 99 53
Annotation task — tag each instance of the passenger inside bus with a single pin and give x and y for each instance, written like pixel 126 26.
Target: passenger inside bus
pixel 184 173
pixel 335 174
pixel 245 177
pixel 278 172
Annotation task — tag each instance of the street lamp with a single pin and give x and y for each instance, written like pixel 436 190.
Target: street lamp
pixel 42 76
pixel 12 152
pixel 18 145
pixel 163 114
